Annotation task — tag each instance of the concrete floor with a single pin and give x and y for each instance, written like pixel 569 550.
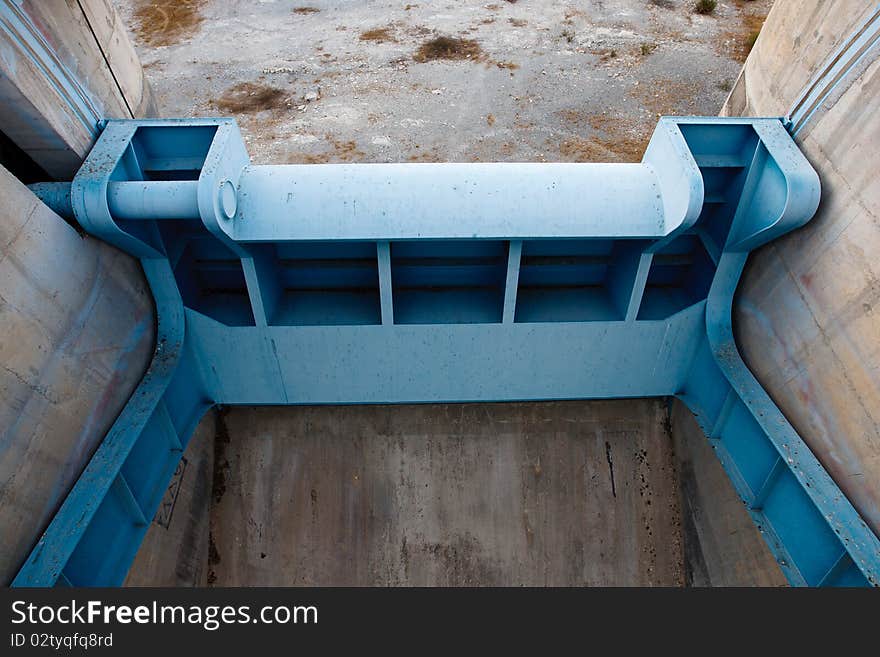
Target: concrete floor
pixel 450 494
pixel 555 493
pixel 490 494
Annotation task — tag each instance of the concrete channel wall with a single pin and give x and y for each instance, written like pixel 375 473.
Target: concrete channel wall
pixel 64 66
pixel 808 313
pixel 77 322
pixel 76 334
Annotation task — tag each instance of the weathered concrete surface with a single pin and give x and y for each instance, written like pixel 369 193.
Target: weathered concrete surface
pixel 76 333
pixel 90 38
pixel 569 493
pixel 722 545
pixel 89 48
pixel 482 494
pixel 76 317
pixel 808 313
pixel 175 549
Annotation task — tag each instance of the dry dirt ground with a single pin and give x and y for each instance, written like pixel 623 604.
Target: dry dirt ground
pixel 527 80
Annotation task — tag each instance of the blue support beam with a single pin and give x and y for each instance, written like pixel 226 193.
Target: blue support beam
pixel 393 283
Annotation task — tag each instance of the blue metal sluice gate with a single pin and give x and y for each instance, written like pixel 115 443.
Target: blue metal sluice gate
pixel 396 283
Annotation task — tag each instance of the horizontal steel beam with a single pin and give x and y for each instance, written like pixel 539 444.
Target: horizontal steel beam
pixel 448 201
pixel 405 201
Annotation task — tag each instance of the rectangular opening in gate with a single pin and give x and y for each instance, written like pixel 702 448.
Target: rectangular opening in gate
pixel 167 152
pixel 732 147
pixel 448 281
pixel 574 281
pixel 162 153
pixel 327 284
pixel 211 281
pixel 680 276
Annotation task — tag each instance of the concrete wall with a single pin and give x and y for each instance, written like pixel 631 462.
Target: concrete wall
pixel 69 64
pixel 76 333
pixel 76 316
pixel 808 312
pixel 90 38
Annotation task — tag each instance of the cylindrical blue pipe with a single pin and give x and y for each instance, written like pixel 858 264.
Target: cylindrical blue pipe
pixel 56 195
pixel 138 200
pixel 410 201
pixel 174 199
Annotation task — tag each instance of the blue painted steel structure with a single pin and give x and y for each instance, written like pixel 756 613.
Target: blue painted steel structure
pixel 388 283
